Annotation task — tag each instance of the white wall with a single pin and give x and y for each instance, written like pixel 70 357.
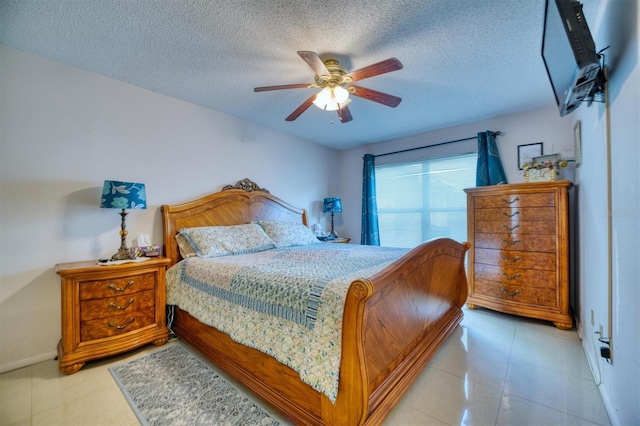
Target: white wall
pixel 63 131
pixel 541 125
pixel 609 212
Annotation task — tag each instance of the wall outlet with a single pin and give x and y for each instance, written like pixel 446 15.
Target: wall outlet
pixel 601 330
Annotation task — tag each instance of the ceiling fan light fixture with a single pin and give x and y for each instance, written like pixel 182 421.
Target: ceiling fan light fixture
pixel 332 98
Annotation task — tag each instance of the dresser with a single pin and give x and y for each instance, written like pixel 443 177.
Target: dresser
pixel 108 309
pixel 519 259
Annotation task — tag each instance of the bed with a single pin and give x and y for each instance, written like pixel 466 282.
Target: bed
pixel 393 321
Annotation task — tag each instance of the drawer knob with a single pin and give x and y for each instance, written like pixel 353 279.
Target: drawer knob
pixel 509 228
pixel 510 215
pixel 113 305
pixel 120 327
pixel 510 259
pixel 504 200
pixel 509 293
pixel 511 277
pixel 116 288
pixel 510 242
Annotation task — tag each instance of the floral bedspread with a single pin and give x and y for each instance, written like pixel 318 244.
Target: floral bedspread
pixel 286 302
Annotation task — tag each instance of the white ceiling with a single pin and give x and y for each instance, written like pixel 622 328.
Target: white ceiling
pixel 464 60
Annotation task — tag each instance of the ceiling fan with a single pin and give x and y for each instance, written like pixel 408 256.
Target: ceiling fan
pixel 335 82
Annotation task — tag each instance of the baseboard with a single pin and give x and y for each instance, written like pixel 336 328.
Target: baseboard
pixel 27 361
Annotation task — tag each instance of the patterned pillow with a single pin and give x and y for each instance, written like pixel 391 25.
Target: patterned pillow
pixel 215 241
pixel 287 234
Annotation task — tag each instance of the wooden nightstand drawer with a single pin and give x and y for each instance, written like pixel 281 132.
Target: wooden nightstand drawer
pixel 116 286
pixel 109 306
pixel 517 214
pixel 517 276
pixel 115 325
pixel 524 227
pixel 517 259
pixel 108 309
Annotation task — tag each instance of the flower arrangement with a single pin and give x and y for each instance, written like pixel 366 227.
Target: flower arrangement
pixel 542 170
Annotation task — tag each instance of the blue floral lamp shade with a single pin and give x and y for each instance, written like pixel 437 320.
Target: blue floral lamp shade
pixel 123 195
pixel 332 205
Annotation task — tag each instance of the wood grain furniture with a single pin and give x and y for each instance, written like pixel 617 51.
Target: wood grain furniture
pixel 393 321
pixel 108 309
pixel 519 260
pixel 339 240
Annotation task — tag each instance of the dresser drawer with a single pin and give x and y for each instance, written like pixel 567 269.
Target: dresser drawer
pixel 516 214
pixel 545 297
pixel 523 227
pixel 516 276
pixel 516 200
pixel 543 242
pixel 115 325
pixel 109 306
pixel 516 259
pixel 116 286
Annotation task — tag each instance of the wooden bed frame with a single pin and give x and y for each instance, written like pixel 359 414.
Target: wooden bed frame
pixel 394 321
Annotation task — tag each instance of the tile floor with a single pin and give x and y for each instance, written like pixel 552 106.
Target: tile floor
pixel 495 369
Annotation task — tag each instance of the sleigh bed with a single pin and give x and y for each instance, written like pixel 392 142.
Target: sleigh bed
pixel 393 321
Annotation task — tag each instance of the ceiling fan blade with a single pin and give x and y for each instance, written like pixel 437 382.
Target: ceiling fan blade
pixel 315 63
pixel 302 108
pixel 344 114
pixel 375 96
pixel 282 86
pixel 392 64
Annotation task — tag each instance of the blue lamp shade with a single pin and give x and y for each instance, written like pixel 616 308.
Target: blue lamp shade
pixel 332 205
pixel 123 195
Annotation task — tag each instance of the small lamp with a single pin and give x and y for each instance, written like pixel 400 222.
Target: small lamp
pixel 333 205
pixel 123 195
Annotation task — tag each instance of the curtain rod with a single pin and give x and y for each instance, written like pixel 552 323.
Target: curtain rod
pixel 431 146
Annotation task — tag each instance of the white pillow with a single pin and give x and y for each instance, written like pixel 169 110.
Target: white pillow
pixel 184 246
pixel 214 241
pixel 288 234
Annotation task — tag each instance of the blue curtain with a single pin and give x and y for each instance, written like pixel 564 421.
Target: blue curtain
pixel 370 235
pixel 489 170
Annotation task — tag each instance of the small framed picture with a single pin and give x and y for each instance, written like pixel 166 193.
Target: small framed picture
pixel 577 139
pixel 526 153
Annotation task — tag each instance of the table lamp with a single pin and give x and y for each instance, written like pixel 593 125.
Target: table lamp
pixel 333 205
pixel 123 195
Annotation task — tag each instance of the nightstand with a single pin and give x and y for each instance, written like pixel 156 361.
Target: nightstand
pixel 109 309
pixel 339 240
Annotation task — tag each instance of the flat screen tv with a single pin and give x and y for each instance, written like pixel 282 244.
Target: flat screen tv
pixel 569 54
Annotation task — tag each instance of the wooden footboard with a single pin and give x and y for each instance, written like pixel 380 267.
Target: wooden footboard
pixel 394 322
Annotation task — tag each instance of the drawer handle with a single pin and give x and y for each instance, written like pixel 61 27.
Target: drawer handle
pixel 116 288
pixel 509 228
pixel 509 293
pixel 510 259
pixel 511 277
pixel 510 215
pixel 504 200
pixel 510 242
pixel 120 327
pixel 113 305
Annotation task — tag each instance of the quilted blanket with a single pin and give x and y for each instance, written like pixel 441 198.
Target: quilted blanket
pixel 287 302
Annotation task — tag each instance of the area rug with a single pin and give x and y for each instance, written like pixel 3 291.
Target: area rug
pixel 174 387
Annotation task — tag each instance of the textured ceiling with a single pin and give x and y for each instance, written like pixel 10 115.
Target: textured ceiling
pixel 464 60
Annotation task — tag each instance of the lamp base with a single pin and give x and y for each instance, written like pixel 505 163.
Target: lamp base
pixel 123 254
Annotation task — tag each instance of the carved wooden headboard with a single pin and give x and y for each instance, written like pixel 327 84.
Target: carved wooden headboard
pixel 236 204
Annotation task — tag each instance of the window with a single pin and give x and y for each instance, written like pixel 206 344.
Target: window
pixel 422 200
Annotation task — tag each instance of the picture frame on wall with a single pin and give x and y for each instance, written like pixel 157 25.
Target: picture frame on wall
pixel 526 153
pixel 577 139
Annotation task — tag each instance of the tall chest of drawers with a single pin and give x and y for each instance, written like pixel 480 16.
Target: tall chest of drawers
pixel 519 260
pixel 110 309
